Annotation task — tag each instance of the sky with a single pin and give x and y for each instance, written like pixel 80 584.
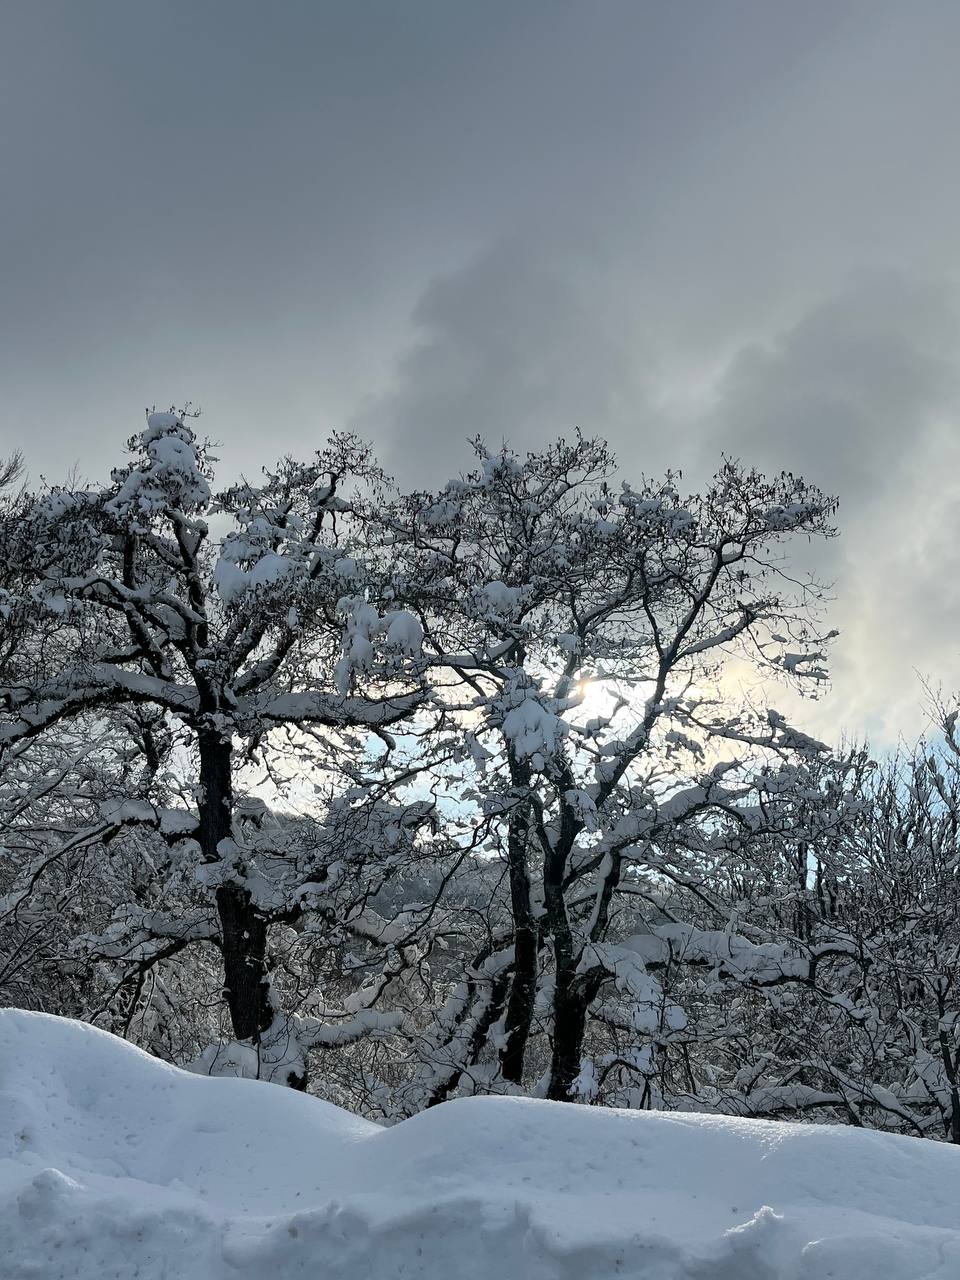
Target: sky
pixel 699 228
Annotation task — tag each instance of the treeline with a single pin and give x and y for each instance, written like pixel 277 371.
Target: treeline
pixel 404 795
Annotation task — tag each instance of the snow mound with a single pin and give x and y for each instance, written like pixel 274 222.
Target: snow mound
pixel 113 1164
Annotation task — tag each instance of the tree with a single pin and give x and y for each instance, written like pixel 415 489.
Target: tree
pixel 230 641
pixel 587 866
pixel 576 635
pixel 889 1045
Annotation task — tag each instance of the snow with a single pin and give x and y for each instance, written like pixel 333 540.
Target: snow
pixel 171 473
pixel 360 630
pixel 498 601
pixel 363 627
pixel 729 953
pixel 113 1164
pixel 403 632
pixel 265 568
pixel 534 731
pixel 345 567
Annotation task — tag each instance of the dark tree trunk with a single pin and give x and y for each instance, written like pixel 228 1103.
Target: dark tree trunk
pixel 573 992
pixel 569 1004
pixel 523 988
pixel 572 999
pixel 569 1025
pixel 244 934
pixel 243 931
pixel 950 1068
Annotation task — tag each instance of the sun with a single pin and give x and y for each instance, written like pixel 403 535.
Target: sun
pixel 597 699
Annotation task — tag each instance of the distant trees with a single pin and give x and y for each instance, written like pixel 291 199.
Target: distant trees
pixel 460 791
pixel 889 1040
pixel 836 994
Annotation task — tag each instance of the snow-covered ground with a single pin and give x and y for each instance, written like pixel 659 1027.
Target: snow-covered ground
pixel 113 1164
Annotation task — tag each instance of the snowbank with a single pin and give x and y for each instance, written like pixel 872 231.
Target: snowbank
pixel 115 1165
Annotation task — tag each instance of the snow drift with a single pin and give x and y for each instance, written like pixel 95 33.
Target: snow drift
pixel 113 1164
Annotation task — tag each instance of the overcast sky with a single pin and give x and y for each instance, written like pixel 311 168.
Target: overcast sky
pixel 688 227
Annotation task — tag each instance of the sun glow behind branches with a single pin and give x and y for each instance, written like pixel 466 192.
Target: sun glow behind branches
pixel 604 699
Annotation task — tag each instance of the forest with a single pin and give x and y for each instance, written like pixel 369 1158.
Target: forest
pixel 399 796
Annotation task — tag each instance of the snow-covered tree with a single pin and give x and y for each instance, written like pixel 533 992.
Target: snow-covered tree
pixel 473 791
pixel 832 991
pixel 887 1045
pixel 235 619
pixel 577 636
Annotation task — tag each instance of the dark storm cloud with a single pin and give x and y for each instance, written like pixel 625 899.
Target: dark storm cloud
pixel 690 228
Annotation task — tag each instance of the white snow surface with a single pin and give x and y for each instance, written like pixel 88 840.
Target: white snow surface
pixel 113 1164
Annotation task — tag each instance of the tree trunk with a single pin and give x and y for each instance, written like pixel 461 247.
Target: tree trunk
pixel 243 931
pixel 949 1067
pixel 569 1026
pixel 523 988
pixel 573 992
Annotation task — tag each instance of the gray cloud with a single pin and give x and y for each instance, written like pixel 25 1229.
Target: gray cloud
pixel 843 394
pixel 688 228
pixel 862 395
pixel 516 346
